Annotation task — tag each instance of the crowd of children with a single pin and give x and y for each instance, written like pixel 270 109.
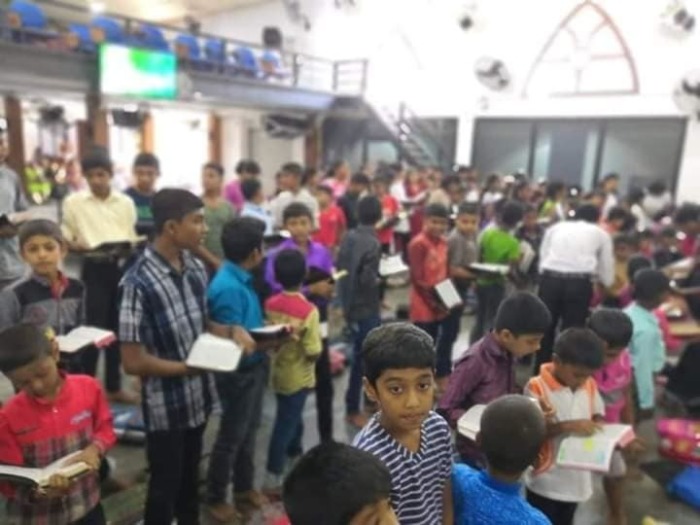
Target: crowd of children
pixel 207 266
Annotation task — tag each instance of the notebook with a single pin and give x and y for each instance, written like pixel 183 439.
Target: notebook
pixel 448 294
pixel 488 268
pixel 215 354
pixel 392 265
pixel 83 336
pixel 39 477
pixel 270 332
pixel 594 452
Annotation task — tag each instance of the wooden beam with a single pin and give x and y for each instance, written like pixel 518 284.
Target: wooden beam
pixel 98 128
pixel 148 134
pixel 215 139
pixel 15 136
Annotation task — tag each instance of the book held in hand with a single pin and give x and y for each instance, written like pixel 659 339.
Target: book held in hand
pixel 392 265
pixel 39 477
pixel 316 275
pixel 83 336
pixel 594 452
pixel 489 269
pixel 214 354
pixel 271 332
pixel 469 424
pixel 448 294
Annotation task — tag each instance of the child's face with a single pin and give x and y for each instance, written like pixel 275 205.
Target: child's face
pixel 211 181
pixel 380 189
pixel 610 354
pixel 43 254
pixel 380 513
pixel 145 178
pixel 40 378
pixel 299 228
pixel 435 226
pixel 645 244
pixel 669 242
pixel 519 345
pixel 467 224
pixel 188 234
pixel 530 219
pixel 456 193
pixel 100 181
pixel 324 198
pixel 572 376
pixel 623 252
pixel 289 181
pixel 405 397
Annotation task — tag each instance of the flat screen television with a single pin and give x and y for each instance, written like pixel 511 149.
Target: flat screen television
pixel 134 72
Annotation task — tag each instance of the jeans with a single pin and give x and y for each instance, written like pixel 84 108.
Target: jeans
pixel 324 395
pixel 288 430
pixel 95 517
pixel 173 488
pixel 359 329
pixel 241 395
pixel 489 298
pixel 558 512
pixel 443 350
pixel 449 331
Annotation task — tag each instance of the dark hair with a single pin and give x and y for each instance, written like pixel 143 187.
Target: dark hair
pixel 241 236
pixel 359 179
pixel 20 345
pixel 308 174
pixel 624 239
pixel 450 180
pixel 635 195
pixel 613 326
pixel 147 160
pixel 649 285
pixel 464 169
pixel 687 213
pixel 522 313
pixel 579 347
pixel 554 188
pixel 334 167
pixel 325 189
pixel 396 346
pixel 617 213
pixel 215 167
pixel 511 213
pixel 468 208
pixel 296 210
pixel 98 158
pixel 247 166
pixel 172 204
pixel 657 188
pixel 293 168
pixel 636 263
pixel 332 483
pixel 436 210
pixel 611 176
pixel 44 227
pixel 646 233
pixel 507 420
pixel 588 212
pixel 250 188
pixel 290 268
pixel 369 210
pixel 669 231
pixel 386 178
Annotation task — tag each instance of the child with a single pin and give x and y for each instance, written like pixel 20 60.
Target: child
pixel 616 220
pixel 293 191
pixel 410 439
pixel 614 382
pixel 567 385
pixel 359 255
pixel 623 249
pixel 245 170
pixel 687 221
pixel 146 171
pixel 359 186
pixel 52 416
pixel 651 288
pixel 552 209
pixel 254 205
pixel 486 371
pixel 336 484
pixel 293 374
pixel 494 495
pixel 217 212
pixel 531 232
pixel 497 245
pixel 390 211
pixel 331 221
pixel 46 299
pixel 667 251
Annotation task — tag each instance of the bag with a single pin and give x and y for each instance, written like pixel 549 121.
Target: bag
pixel 686 487
pixel 679 439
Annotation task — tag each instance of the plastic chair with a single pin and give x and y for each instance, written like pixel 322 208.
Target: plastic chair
pixel 187 47
pixel 214 50
pixel 28 22
pixel 152 37
pixel 246 61
pixel 80 38
pixel 112 30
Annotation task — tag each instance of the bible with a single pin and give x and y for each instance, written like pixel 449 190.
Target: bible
pixel 214 354
pixel 39 477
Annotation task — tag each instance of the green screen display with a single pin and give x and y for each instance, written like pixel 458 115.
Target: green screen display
pixel 133 72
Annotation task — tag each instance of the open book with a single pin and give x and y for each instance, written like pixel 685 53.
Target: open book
pixel 469 424
pixel 270 332
pixel 316 275
pixel 215 354
pixel 83 336
pixel 594 452
pixel 392 265
pixel 490 269
pixel 448 294
pixel 39 477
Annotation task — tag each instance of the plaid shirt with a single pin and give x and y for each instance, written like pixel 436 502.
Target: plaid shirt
pixel 165 311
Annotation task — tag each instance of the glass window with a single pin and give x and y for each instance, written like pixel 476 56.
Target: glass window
pixel 502 146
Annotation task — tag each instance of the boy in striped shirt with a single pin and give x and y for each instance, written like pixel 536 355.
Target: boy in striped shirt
pixel 406 435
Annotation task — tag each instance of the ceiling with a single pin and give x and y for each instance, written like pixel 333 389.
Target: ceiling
pixel 172 10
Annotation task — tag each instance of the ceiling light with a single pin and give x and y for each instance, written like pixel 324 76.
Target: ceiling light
pixel 97 7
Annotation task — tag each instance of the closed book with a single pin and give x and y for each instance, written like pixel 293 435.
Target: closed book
pixel 84 336
pixel 489 269
pixel 392 265
pixel 447 294
pixel 214 354
pixel 316 275
pixel 271 332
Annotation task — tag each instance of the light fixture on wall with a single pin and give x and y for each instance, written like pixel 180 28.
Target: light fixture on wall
pixel 97 7
pixel 676 17
pixel 467 17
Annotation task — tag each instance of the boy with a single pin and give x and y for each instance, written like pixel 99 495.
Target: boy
pixel 331 221
pixel 667 251
pixel 298 221
pixel 427 258
pixel 616 220
pixel 568 387
pixel 497 245
pixel 390 211
pixel 53 415
pixel 293 374
pixel 410 439
pixel 254 203
pixel 217 212
pixel 623 249
pixel 245 170
pixel 290 181
pixel 687 221
pixel 232 300
pixel 316 490
pixel 512 432
pixel 90 218
pixel 146 171
pixel 359 186
pixel 359 255
pixel 531 232
pixel 650 289
pixel 46 299
pixel 486 371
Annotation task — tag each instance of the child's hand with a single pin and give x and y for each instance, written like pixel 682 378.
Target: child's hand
pixel 584 427
pixel 57 487
pixel 243 339
pixel 90 455
pixel 323 289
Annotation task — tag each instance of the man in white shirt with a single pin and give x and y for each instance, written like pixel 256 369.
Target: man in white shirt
pixel 572 255
pixel 291 181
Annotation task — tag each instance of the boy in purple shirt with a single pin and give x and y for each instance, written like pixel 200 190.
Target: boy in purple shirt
pixel 486 371
pixel 298 221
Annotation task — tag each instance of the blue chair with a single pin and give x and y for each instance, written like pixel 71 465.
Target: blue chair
pixel 246 61
pixel 82 40
pixel 112 30
pixel 152 37
pixel 28 22
pixel 187 47
pixel 215 50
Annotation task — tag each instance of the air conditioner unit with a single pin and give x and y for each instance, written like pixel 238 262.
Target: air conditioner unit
pixel 286 126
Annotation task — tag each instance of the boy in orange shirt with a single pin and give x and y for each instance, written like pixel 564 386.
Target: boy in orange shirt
pixel 331 220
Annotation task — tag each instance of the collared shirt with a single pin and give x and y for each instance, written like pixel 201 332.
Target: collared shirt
pixel 648 352
pixel 35 433
pixel 286 198
pixel 165 311
pixel 96 221
pixel 461 252
pixel 497 246
pixel 216 218
pixel 11 201
pixel 480 499
pixel 360 254
pixel 233 194
pixel 427 258
pixel 418 479
pixel 483 373
pixel 578 247
pixel 250 209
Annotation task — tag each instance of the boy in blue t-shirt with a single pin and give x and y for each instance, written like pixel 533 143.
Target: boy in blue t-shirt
pixel 146 170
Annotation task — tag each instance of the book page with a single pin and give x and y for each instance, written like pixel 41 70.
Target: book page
pixel 83 336
pixel 40 476
pixel 213 353
pixel 587 453
pixel 469 424
pixel 392 265
pixel 21 475
pixel 448 294
pixel 500 269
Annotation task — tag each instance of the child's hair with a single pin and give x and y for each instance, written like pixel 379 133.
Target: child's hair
pixel 172 204
pixel 324 188
pixel 241 236
pixel 646 233
pixel 359 179
pixel 215 167
pixel 686 213
pixel 332 483
pixel 147 160
pixel 250 188
pixel 290 269
pixel 507 421
pixel 98 158
pixel 554 188
pixel 450 180
pixel 43 227
pixel 650 285
pixel 579 347
pixel 617 213
pixel 293 168
pixel 309 173
pixel 296 210
pixel 396 346
pixel 468 208
pixel 624 239
pixel 386 178
pixel 636 263
pixel 522 313
pixel 510 214
pixel 20 345
pixel 588 212
pixel 436 210
pixel 670 232
pixel 613 326
pixel 247 166
pixel 369 210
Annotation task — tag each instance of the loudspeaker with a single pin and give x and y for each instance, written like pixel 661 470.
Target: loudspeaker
pixel 127 119
pixel 272 37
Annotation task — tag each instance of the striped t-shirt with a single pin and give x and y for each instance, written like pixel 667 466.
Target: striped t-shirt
pixel 417 479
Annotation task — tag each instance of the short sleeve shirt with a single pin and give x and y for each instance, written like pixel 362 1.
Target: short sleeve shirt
pixel 498 246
